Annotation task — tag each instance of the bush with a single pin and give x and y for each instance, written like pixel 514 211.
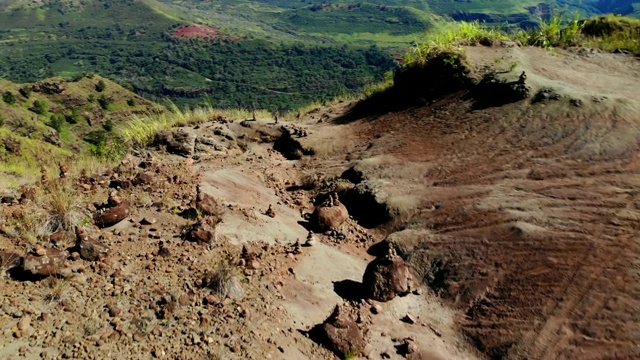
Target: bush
pixel 108 125
pixel 9 98
pixel 39 107
pixel 104 102
pixel 100 86
pixel 1 121
pixel 74 117
pixel 91 98
pixel 25 91
pixel 131 102
pixel 56 121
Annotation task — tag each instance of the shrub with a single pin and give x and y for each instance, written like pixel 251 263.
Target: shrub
pixel 1 121
pixel 131 102
pixel 56 121
pixel 9 98
pixel 100 86
pixel 91 98
pixel 39 107
pixel 223 280
pixel 108 125
pixel 25 91
pixel 74 117
pixel 104 102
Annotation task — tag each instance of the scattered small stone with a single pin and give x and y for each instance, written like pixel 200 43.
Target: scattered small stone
pixel 148 221
pixel 24 323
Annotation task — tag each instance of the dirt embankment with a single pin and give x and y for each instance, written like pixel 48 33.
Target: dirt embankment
pixel 521 213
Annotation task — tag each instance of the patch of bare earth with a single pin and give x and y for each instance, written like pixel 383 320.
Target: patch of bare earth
pixel 523 217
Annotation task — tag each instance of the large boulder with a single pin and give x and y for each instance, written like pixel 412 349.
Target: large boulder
pixel 340 333
pixel 387 277
pixel 113 215
pixel 46 263
pixel 329 217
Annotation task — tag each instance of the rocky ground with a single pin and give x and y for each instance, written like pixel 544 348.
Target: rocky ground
pixel 458 229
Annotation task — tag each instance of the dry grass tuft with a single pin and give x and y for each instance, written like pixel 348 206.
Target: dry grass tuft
pixel 224 280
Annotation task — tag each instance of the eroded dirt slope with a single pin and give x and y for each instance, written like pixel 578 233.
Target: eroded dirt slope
pixel 525 217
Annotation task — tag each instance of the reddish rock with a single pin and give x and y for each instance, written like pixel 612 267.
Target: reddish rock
pixel 329 217
pixel 386 277
pixel 91 249
pixel 200 232
pixel 62 238
pixel 207 205
pixel 120 184
pixel 111 216
pixel 45 265
pixel 340 333
pixel 143 178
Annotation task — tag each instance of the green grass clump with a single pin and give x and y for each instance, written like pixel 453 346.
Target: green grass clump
pixel 449 37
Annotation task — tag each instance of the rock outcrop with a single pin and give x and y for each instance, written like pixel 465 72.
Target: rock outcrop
pixel 386 277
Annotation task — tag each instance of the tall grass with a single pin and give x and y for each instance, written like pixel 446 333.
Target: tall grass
pixel 450 36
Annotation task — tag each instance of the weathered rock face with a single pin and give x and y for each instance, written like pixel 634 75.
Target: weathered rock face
pixel 91 249
pixel 329 217
pixel 50 87
pixel 47 264
pixel 111 216
pixel 340 333
pixel 179 142
pixel 207 205
pixel 387 277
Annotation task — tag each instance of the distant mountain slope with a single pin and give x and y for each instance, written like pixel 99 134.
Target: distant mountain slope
pixel 135 43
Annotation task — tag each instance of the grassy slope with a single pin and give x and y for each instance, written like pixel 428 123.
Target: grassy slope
pixel 22 125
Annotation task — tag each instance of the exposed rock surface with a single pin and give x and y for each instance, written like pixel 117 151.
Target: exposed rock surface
pixel 111 216
pixel 387 277
pixel 340 333
pixel 47 263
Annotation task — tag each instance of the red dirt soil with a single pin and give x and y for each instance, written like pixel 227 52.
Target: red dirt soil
pixel 533 209
pixel 196 31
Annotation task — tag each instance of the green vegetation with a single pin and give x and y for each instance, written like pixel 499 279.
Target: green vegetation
pixel 609 33
pixel 9 98
pixel 39 107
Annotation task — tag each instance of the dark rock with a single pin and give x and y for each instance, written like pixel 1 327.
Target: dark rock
pixel 120 184
pixel 7 199
pixel 387 277
pixel 546 94
pixel 45 265
pixel 91 249
pixel 111 216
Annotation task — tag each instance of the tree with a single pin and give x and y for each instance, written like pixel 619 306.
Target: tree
pixel 100 86
pixel 9 98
